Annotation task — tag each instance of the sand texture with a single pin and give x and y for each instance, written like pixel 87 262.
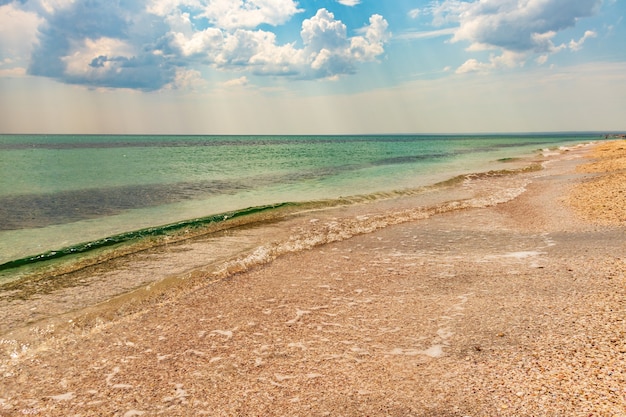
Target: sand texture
pixel 602 197
pixel 516 309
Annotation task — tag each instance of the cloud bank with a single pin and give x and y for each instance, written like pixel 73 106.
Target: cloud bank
pixel 154 44
pixel 151 45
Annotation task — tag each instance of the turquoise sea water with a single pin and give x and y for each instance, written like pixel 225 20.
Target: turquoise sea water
pixel 65 191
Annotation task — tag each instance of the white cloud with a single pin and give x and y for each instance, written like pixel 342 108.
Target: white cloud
pixel 256 50
pixel 327 51
pixel 349 2
pixel 323 31
pixel 414 13
pixel 106 44
pixel 544 44
pixel 376 31
pixel 331 52
pixel 179 22
pixel 198 43
pixel 18 31
pixel 275 59
pixel 233 14
pixel 167 7
pixel 577 45
pixel 230 14
pixel 508 59
pixel 154 45
pixel 96 58
pixel 236 82
pixel 512 26
pixel 368 47
pixel 186 79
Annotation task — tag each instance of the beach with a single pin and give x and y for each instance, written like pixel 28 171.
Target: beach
pixel 503 295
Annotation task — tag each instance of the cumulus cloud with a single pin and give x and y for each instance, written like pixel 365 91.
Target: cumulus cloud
pixel 327 49
pixel 256 50
pixel 101 44
pixel 323 31
pixel 197 43
pixel 330 52
pixel 186 79
pixel 518 28
pixel 369 46
pixel 162 43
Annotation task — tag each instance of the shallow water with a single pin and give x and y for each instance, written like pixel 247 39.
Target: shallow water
pixel 61 191
pixel 196 246
pixel 128 272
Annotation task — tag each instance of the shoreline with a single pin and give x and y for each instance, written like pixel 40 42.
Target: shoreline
pixel 68 218
pixel 110 284
pixel 95 280
pixel 224 220
pixel 505 309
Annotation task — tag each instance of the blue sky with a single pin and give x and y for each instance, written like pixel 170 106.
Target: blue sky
pixel 311 66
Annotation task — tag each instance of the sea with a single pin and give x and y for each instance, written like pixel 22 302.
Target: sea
pixel 86 219
pixel 63 194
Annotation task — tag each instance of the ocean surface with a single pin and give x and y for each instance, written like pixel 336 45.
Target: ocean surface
pixel 62 194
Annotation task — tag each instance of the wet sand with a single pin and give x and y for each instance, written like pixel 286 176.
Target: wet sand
pixel 516 309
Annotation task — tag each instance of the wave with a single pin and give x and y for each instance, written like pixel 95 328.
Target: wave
pixel 321 233
pixel 137 240
pixel 217 220
pixel 130 268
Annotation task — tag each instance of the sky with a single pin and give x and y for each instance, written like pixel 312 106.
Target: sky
pixel 311 66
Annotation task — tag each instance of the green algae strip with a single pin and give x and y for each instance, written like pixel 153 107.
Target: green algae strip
pixel 170 229
pixel 139 234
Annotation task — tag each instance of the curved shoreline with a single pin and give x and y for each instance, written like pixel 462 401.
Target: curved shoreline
pixel 69 214
pixel 220 221
pixel 112 279
pixel 507 309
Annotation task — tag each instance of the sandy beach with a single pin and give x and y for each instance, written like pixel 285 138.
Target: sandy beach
pixel 510 309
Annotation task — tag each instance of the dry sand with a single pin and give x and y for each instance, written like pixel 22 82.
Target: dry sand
pixel 512 310
pixel 602 198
